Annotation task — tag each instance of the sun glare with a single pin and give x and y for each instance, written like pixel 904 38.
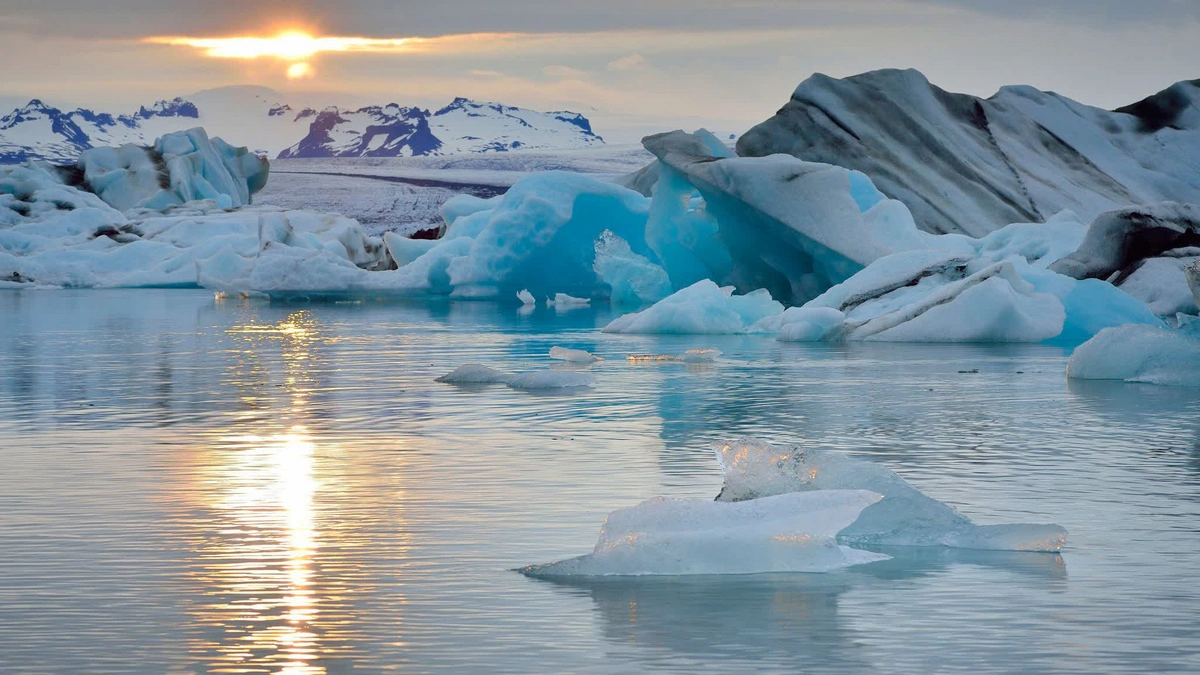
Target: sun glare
pixel 292 46
pixel 299 70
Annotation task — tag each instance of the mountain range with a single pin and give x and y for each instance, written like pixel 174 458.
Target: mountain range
pixel 256 117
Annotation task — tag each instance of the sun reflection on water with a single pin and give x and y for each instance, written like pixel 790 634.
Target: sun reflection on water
pixel 261 570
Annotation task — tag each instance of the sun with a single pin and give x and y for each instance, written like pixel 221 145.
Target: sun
pixel 299 70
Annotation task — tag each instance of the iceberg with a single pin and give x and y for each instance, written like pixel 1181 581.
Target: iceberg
pixel 180 167
pixel 784 533
pixel 702 307
pixel 973 165
pixel 789 226
pixel 956 289
pixel 1144 354
pixel 754 469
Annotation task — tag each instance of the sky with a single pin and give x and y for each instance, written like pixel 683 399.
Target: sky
pixel 633 66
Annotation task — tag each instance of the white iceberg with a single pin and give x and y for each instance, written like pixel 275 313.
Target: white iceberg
pixel 573 355
pixel 784 533
pixel 1141 354
pixel 755 469
pixel 180 167
pixel 702 307
pixel 551 379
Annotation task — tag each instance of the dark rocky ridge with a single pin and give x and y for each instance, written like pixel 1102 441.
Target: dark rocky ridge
pixel 972 165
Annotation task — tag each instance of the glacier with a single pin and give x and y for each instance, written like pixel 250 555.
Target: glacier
pixel 784 533
pixel 754 469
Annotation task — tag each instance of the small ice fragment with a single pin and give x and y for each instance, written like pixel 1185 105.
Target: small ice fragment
pixel 652 358
pixel 474 373
pixel 573 355
pixel 784 533
pixel 526 297
pixel 551 379
pixel 564 301
pixel 704 355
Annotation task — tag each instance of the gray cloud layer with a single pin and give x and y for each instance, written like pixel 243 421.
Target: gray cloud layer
pixel 137 18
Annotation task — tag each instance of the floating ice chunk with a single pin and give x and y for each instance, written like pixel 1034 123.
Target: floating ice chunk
pixel 784 533
pixel 700 355
pixel 552 379
pixel 1140 354
pixel 526 297
pixel 475 373
pixel 564 301
pixel 702 308
pixel 905 517
pixel 573 355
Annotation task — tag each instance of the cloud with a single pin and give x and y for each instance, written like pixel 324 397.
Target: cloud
pixel 484 73
pixel 565 73
pixel 627 63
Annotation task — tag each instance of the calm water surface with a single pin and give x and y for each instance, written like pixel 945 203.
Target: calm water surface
pixel 192 486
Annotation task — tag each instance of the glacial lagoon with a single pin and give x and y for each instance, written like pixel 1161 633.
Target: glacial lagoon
pixel 193 485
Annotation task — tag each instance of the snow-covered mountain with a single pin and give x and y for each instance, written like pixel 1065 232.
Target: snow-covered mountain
pixel 972 165
pixel 256 117
pixel 464 126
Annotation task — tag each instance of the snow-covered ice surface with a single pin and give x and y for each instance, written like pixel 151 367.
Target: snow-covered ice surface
pixel 1141 354
pixel 785 533
pixel 754 469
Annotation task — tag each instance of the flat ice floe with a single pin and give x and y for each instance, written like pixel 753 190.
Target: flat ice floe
pixel 755 469
pixel 785 533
